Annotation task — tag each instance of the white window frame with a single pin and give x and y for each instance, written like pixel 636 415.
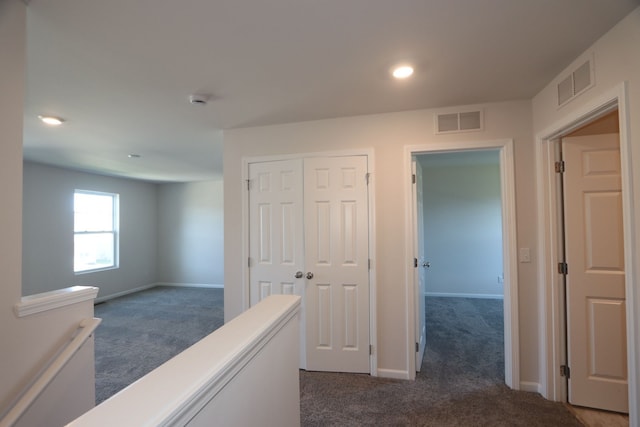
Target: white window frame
pixel 114 231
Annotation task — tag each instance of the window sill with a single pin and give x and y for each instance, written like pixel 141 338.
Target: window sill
pixel 96 270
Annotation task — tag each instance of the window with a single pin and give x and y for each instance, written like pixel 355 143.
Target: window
pixel 95 224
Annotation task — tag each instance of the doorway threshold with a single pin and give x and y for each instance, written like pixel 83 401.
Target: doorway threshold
pixel 598 418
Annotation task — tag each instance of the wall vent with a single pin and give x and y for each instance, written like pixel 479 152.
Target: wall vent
pixel 461 121
pixel 575 83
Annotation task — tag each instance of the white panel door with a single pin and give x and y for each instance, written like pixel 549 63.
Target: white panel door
pixel 276 243
pixel 595 281
pixel 420 269
pixel 337 254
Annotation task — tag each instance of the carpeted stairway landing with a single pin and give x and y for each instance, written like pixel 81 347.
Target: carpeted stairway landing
pixel 461 382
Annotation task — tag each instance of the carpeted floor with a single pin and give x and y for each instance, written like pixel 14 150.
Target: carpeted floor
pixel 461 382
pixel 141 331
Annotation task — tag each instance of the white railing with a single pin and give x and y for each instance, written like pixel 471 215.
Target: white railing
pixel 245 373
pixel 84 331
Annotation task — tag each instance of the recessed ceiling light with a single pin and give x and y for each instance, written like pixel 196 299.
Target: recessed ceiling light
pixel 52 121
pixel 134 156
pixel 402 72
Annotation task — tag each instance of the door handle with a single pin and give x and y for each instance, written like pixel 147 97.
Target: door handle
pixel 309 275
pixel 426 264
pixel 299 274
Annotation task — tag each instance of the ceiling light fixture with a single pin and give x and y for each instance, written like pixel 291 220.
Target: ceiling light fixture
pixel 51 121
pixel 134 156
pixel 402 72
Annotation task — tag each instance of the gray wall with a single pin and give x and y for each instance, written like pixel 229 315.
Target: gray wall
pixel 462 223
pixel 190 233
pixel 47 253
pixel 168 232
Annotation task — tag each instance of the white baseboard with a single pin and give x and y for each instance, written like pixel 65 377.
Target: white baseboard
pixel 191 285
pixel 123 293
pixel 456 295
pixel 153 285
pixel 393 373
pixel 530 386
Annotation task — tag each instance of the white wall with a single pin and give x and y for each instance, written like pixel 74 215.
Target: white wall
pixel 388 134
pixel 617 59
pixel 48 231
pixel 190 233
pixel 29 341
pixel 462 224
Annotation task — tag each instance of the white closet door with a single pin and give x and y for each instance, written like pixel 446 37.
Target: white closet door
pixel 276 244
pixel 337 254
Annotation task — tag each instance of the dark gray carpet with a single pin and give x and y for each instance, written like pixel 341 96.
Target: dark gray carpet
pixel 141 331
pixel 461 382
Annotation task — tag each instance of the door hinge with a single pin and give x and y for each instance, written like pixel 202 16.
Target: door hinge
pixel 417 347
pixel 413 178
pixel 249 262
pixel 369 263
pixel 560 166
pixel 366 177
pixel 565 371
pixel 563 268
pixel 249 185
pixel 370 349
pixel 415 263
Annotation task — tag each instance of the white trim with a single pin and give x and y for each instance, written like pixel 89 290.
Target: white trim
pixel 373 315
pixel 529 386
pixel 192 285
pixel 46 301
pixel 459 295
pixel 244 234
pixel 552 336
pixel 394 374
pixel 153 285
pixel 507 184
pixel 123 293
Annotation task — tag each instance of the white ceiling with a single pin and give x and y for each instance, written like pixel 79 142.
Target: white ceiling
pixel 120 71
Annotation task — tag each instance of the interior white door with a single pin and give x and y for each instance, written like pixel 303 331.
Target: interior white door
pixel 337 256
pixel 421 265
pixel 596 332
pixel 276 243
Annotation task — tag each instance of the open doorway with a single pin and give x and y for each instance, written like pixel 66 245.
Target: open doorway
pixel 460 245
pixel 554 385
pixel 504 279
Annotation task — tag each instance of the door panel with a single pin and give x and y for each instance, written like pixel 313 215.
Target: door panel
pixel 595 284
pixel 420 278
pixel 275 229
pixel 337 253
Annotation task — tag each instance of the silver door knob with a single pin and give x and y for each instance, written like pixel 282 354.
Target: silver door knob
pixel 309 275
pixel 299 274
pixel 426 264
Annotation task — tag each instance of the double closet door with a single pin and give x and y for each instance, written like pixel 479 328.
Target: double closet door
pixel 309 236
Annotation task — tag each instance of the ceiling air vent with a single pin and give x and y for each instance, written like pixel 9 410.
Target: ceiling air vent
pixel 462 121
pixel 575 83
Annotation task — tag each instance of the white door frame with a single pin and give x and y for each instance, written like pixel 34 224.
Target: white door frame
pixel 553 347
pixel 244 233
pixel 510 266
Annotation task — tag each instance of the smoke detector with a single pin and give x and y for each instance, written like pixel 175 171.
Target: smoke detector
pixel 199 98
